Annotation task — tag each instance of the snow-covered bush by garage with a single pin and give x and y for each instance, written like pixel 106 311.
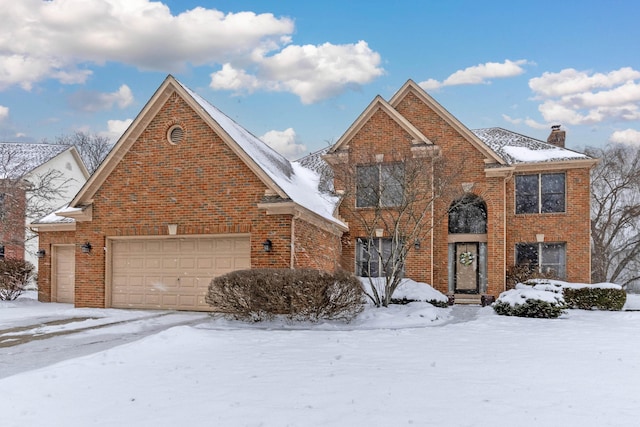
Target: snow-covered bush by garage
pixel 407 291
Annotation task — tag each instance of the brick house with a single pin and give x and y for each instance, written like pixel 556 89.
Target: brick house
pixel 525 200
pixel 185 195
pixel 34 178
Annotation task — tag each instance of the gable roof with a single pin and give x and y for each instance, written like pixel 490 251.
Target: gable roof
pixel 515 148
pixel 412 87
pixel 18 159
pixel 287 180
pixel 379 104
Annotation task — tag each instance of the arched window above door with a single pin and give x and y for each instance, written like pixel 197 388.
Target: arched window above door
pixel 468 215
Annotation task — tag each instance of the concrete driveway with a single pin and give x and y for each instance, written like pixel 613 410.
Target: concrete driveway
pixel 35 335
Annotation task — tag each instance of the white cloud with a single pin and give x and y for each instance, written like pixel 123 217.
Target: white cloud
pixel 570 81
pixel 627 136
pixel 230 78
pixel 115 129
pixel 59 39
pixel 284 142
pixel 478 74
pixel 4 113
pixel 62 40
pixel 585 98
pixel 311 72
pixel 97 101
pixel 511 119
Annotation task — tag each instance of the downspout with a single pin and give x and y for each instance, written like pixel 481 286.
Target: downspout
pixel 504 227
pixel 293 240
pixel 432 225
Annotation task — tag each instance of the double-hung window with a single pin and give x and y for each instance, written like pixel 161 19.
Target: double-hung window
pixel 380 185
pixel 543 257
pixel 374 257
pixel 540 193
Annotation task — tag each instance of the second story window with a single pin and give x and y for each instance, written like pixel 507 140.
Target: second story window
pixel 540 193
pixel 380 185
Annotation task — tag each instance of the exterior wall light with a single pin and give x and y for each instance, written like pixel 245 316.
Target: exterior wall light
pixel 416 244
pixel 267 245
pixel 41 253
pixel 86 248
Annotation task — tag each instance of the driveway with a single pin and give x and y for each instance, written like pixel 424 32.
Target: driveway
pixel 61 332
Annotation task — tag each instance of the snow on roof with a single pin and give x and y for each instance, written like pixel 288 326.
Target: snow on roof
pixel 316 163
pixel 54 218
pixel 18 159
pixel 516 148
pixel 299 183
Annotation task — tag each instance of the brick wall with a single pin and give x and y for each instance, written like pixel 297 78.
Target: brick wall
pixel 466 164
pixel 12 219
pixel 315 247
pixel 199 184
pixel 572 227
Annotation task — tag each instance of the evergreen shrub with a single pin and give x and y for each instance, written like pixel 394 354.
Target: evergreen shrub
pixel 589 298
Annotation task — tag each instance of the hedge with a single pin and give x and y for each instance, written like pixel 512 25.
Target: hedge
pixel 589 298
pixel 261 294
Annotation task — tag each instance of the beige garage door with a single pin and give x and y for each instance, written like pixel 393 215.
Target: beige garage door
pixel 172 273
pixel 64 273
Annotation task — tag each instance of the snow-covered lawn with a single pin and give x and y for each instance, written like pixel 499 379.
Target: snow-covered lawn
pixel 406 365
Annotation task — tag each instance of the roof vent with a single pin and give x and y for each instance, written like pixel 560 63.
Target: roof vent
pixel 175 135
pixel 557 136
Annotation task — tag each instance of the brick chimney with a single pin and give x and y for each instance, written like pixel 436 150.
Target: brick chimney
pixel 557 136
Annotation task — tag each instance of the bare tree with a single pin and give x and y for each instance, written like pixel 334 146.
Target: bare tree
pixel 25 193
pixel 615 214
pixel 93 148
pixel 398 199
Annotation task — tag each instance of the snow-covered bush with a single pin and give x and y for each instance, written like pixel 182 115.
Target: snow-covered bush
pixel 261 294
pixel 543 300
pixel 600 296
pixel 15 275
pixel 409 291
pixel 523 273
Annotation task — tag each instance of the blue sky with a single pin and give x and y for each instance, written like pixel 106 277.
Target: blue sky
pixel 298 73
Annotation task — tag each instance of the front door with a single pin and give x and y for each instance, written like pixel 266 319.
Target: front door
pixel 467 268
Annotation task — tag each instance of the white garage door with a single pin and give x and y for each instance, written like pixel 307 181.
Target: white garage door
pixel 172 273
pixel 64 273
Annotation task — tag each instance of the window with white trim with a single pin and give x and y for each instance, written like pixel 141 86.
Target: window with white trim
pixel 543 257
pixel 379 185
pixel 540 193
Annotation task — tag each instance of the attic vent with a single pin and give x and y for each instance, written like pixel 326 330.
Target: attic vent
pixel 175 135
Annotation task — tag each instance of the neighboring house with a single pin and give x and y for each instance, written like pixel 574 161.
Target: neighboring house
pixel 525 201
pixel 188 194
pixel 34 179
pixel 185 195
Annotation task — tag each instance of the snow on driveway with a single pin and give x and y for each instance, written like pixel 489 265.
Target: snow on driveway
pixel 409 365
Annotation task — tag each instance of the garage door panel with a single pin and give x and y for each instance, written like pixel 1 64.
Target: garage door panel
pixel 242 246
pixel 172 273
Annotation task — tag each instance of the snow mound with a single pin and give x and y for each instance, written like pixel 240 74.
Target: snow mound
pixel 407 289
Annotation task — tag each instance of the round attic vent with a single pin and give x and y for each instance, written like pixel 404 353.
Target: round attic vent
pixel 175 135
